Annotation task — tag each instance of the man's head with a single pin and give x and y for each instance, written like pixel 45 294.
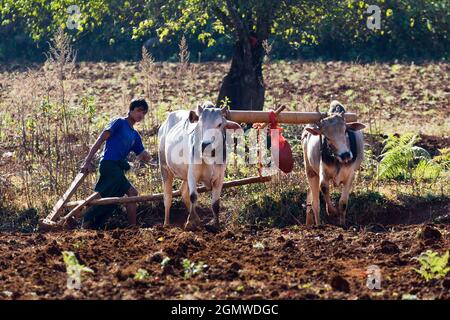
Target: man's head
pixel 138 109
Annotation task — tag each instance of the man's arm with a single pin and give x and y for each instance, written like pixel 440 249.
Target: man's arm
pixel 87 164
pixel 144 156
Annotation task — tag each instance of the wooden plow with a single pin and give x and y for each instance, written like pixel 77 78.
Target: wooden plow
pixel 55 220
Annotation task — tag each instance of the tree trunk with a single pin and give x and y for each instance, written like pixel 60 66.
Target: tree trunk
pixel 243 86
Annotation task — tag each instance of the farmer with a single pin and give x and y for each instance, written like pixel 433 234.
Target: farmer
pixel 121 138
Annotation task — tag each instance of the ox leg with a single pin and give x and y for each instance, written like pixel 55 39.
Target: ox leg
pixel 325 188
pixel 309 212
pixel 214 225
pixel 314 192
pixel 193 220
pixel 167 178
pixel 343 201
pixel 185 194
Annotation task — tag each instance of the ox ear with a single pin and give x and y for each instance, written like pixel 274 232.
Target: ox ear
pixel 232 125
pixel 313 131
pixel 195 115
pixel 355 126
pixel 199 109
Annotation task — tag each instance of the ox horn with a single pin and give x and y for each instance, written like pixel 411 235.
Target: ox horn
pixel 225 111
pixel 320 113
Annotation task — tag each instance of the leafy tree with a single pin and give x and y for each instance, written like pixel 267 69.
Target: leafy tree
pixel 250 23
pixel 333 24
pixel 333 29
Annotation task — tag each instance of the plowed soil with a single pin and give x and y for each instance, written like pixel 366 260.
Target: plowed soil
pixel 244 263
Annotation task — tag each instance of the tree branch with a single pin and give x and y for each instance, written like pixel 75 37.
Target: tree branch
pixel 226 21
pixel 242 32
pixel 264 20
pixel 241 28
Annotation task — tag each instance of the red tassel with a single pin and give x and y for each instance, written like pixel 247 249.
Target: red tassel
pixel 284 161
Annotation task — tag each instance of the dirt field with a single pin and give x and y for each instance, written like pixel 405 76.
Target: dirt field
pixel 243 263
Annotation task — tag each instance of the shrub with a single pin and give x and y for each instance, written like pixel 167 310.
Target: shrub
pixel 433 266
pixel 403 160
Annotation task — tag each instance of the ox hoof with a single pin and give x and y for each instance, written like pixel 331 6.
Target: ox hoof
pixel 332 212
pixel 212 227
pixel 342 222
pixel 333 220
pixel 191 226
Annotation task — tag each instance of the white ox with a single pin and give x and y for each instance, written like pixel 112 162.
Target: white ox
pixel 332 151
pixel 192 148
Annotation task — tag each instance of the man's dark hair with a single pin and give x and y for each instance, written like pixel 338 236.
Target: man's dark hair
pixel 139 103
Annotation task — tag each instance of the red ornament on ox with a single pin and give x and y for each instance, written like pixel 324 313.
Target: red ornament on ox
pixel 281 150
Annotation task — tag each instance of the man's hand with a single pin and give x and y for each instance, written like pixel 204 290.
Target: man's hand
pixel 144 156
pixel 87 167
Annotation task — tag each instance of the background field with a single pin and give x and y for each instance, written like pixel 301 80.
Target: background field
pixel 46 132
pixel 49 119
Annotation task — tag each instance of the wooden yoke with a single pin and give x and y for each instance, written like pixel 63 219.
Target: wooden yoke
pixel 288 117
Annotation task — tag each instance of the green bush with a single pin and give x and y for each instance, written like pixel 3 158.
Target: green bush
pixel 433 266
pixel 275 210
pixel 403 160
pixel 409 30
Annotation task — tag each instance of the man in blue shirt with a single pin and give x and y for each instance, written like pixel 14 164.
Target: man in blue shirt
pixel 121 138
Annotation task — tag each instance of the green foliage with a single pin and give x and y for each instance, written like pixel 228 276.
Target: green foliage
pixel 369 164
pixel 365 206
pixel 89 107
pixel 277 209
pixel 192 268
pixel 141 274
pixel 403 160
pixel 334 29
pixel 427 170
pixel 433 266
pixel 73 267
pixel 443 159
pixel 225 103
pixel 165 262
